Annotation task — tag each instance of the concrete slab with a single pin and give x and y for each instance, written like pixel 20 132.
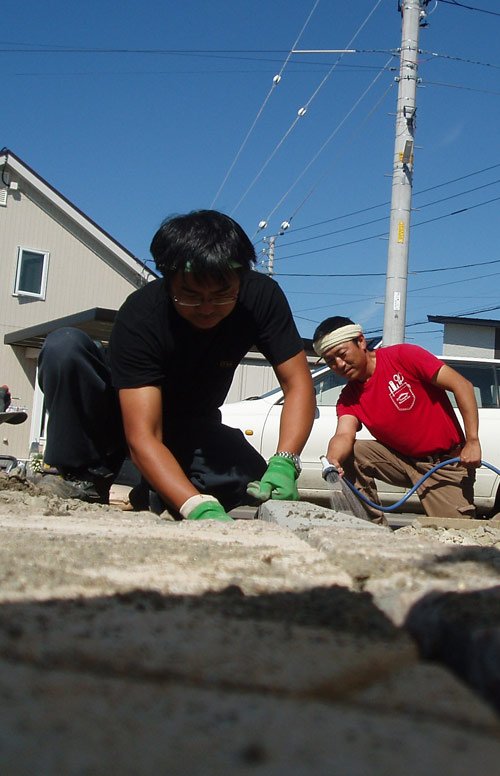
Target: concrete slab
pixel 270 643
pixel 432 691
pixel 72 722
pixel 451 522
pixel 302 514
pixel 136 645
pixel 93 550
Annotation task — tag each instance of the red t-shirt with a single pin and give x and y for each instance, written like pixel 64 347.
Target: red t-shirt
pixel 399 405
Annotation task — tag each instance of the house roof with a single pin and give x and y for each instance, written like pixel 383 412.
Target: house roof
pixel 19 168
pixel 464 321
pixel 97 323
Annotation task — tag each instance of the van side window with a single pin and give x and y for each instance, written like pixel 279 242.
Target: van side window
pixel 485 383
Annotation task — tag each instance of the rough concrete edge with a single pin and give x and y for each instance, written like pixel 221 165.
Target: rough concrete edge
pixel 303 514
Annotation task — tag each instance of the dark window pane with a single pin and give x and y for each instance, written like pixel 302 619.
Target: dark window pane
pixel 328 389
pixel 483 380
pixel 30 276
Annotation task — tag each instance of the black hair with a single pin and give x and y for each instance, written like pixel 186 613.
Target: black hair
pixel 331 324
pixel 205 242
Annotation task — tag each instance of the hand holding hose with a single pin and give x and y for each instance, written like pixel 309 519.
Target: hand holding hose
pixel 470 454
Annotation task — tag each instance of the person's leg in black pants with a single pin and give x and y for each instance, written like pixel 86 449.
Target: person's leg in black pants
pixel 85 433
pixel 217 459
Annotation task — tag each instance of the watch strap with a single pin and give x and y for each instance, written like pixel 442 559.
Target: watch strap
pixel 293 457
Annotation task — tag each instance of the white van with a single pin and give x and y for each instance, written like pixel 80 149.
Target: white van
pixel 259 420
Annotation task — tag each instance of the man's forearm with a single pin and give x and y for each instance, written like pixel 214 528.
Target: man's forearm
pixel 339 448
pixel 159 467
pixel 467 406
pixel 296 422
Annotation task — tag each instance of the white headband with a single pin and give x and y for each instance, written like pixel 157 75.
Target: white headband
pixel 328 341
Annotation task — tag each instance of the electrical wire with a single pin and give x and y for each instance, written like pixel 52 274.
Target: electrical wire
pixel 276 81
pixel 388 202
pixel 386 217
pixel 463 88
pixel 463 60
pixel 469 7
pixel 329 139
pixel 458 315
pixel 379 274
pixel 385 234
pixel 301 112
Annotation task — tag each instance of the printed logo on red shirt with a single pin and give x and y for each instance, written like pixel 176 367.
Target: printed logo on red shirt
pixel 401 392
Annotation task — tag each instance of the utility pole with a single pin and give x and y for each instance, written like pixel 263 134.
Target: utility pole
pixel 413 14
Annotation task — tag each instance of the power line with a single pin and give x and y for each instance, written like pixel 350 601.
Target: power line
pixel 468 7
pixel 302 112
pixel 465 61
pixel 453 282
pixel 384 234
pixel 379 274
pixel 458 314
pixel 329 139
pixel 385 218
pixel 235 54
pixel 276 80
pixel 462 87
pixel 387 202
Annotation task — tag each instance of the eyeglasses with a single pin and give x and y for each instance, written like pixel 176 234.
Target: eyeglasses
pixel 220 302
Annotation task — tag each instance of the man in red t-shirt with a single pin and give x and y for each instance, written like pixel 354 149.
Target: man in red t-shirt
pixel 399 394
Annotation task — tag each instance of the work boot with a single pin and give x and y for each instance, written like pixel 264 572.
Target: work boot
pixel 91 484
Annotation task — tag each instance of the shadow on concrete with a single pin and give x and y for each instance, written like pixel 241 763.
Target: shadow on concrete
pixel 486 556
pixel 462 630
pixel 218 639
pixel 334 609
pixel 133 633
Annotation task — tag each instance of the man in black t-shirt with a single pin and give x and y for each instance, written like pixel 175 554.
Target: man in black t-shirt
pixel 175 346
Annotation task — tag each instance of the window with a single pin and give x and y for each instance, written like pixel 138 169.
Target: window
pixel 31 273
pixel 328 389
pixel 483 380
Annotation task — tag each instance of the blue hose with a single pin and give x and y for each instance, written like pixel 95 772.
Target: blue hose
pixel 417 485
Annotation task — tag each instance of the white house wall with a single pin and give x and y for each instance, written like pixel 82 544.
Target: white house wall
pixel 471 341
pixel 255 376
pixel 81 275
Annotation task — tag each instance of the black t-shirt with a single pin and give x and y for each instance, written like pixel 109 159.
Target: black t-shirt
pixel 151 344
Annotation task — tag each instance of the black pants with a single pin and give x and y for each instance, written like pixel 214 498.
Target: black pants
pixel 85 426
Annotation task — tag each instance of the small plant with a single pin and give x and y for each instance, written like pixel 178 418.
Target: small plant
pixel 36 463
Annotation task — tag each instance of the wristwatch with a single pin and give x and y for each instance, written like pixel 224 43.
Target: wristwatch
pixel 293 457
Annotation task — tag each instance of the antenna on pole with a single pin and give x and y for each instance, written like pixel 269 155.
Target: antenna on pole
pixel 413 17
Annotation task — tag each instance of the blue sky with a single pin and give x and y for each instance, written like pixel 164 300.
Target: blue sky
pixel 136 110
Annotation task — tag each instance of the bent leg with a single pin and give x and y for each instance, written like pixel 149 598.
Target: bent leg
pixel 84 427
pixel 370 460
pixel 449 492
pixel 219 461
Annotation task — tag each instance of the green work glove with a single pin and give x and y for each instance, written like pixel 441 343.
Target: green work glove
pixel 209 510
pixel 278 481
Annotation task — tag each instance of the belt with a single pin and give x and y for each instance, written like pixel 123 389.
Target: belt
pixel 441 455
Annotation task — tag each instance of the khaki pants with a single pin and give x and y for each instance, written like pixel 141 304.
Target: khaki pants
pixel 449 492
